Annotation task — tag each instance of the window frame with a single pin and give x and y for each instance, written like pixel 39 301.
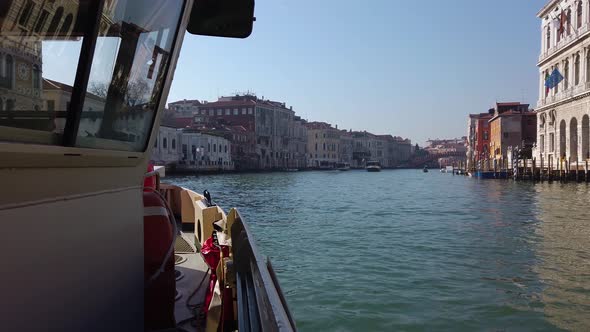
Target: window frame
pixel 62 153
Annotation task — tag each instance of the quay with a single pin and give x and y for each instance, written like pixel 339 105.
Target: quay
pixel 563 170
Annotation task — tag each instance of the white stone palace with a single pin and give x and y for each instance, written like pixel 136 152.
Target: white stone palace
pixel 562 112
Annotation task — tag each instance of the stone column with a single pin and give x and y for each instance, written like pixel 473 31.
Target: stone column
pixel 581 157
pixel 583 75
pixel 542 85
pixel 543 39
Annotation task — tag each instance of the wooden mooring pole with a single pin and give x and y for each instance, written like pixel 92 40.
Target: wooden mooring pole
pixel 577 171
pixel 541 170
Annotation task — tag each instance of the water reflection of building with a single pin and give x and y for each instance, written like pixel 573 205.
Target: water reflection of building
pixel 563 260
pixel 56 97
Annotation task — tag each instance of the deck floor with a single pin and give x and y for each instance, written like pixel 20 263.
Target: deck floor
pixel 195 280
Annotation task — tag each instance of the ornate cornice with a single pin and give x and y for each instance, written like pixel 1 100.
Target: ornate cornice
pixel 563 102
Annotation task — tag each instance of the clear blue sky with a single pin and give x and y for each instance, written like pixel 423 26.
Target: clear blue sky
pixel 407 68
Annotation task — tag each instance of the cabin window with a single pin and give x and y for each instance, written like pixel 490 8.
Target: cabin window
pixel 43 46
pixel 45 62
pixel 128 72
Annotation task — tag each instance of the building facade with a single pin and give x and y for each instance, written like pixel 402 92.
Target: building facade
pixel 165 151
pixel 203 152
pixel 563 112
pixel 184 149
pixel 323 144
pixel 279 138
pixel 512 126
pixel 478 138
pixel 297 155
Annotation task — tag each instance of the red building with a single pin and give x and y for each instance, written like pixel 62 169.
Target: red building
pixel 480 144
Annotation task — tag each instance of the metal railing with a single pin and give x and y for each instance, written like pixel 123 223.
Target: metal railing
pixel 261 305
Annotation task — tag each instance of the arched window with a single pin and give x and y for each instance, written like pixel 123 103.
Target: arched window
pixel 577 69
pixel 65 28
pixel 36 77
pixel 173 144
pixel 548 37
pixel 214 147
pixel 26 13
pixel 225 148
pixel 165 143
pixel 55 21
pixel 579 14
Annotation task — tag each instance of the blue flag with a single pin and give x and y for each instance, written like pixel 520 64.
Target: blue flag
pixel 554 79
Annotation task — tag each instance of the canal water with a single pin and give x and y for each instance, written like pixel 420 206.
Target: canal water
pixel 411 251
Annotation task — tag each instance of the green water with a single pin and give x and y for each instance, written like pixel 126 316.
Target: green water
pixel 411 251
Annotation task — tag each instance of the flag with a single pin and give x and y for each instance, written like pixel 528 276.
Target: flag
pixel 554 79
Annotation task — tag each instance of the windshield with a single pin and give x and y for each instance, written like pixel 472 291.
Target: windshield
pixel 47 93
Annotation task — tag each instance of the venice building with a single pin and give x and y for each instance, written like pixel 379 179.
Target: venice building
pixel 563 112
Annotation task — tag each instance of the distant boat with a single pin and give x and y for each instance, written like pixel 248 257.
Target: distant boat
pixel 291 170
pixel 343 166
pixel 448 169
pixel 373 166
pixel 425 170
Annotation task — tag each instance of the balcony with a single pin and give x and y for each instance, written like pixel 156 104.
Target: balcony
pixel 564 42
pixel 564 94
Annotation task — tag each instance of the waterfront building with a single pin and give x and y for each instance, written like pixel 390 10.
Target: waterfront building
pixel 323 144
pixel 184 108
pixel 478 139
pixel 448 151
pixel 346 147
pixel 390 151
pixel 402 150
pixel 185 149
pixel 297 155
pixel 512 126
pixel 271 121
pixel 204 152
pixel 562 112
pixel 165 151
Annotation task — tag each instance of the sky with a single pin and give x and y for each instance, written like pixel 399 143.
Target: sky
pixel 414 69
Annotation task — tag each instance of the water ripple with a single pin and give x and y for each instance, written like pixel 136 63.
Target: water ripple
pixel 405 250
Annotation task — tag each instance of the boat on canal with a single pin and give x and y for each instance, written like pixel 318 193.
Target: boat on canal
pixel 425 169
pixel 99 242
pixel 343 166
pixel 373 166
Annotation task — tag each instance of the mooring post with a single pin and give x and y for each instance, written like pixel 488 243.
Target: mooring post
pixel 541 170
pixel 577 171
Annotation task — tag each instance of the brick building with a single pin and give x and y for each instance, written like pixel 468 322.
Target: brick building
pixel 478 139
pixel 512 125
